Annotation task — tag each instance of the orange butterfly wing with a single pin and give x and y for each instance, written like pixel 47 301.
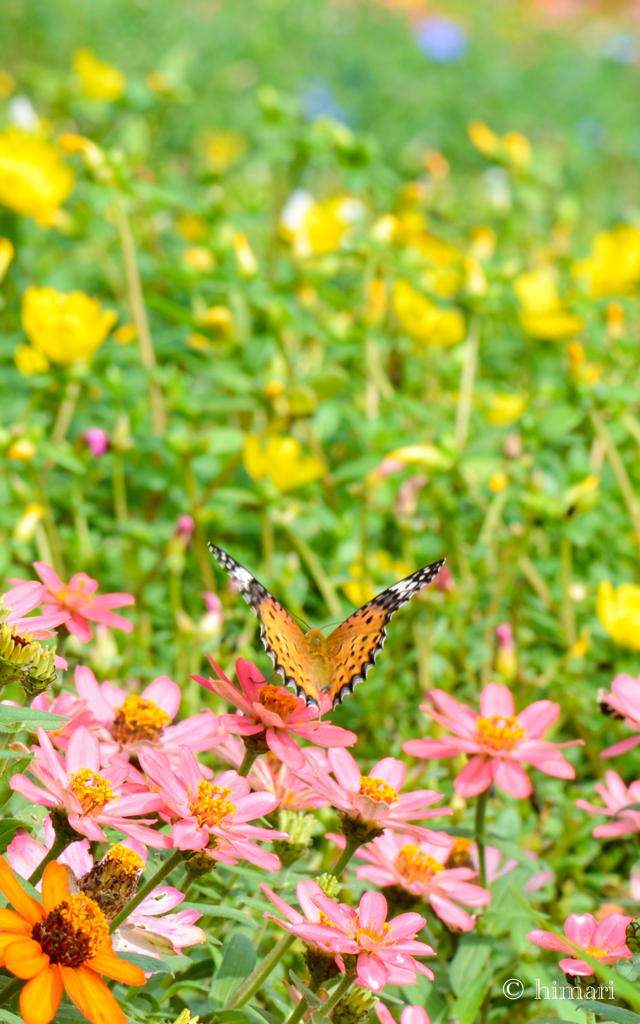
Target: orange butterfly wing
pixel 283 639
pixel 353 647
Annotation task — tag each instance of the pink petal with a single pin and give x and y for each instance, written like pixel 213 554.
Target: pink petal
pixel 187 836
pixel 107 618
pixel 373 911
pixel 497 699
pixel 414 1015
pixel 622 747
pixel 113 600
pixel 48 576
pixel 511 777
pixel 160 901
pixel 576 967
pixel 539 717
pixel 283 746
pixel 611 931
pixel 88 688
pixel 391 771
pixel 372 972
pixel 475 777
pixel 451 914
pixel 462 716
pixel 430 748
pixel 345 769
pixel 165 693
pixel 549 941
pixel 83 751
pixel 580 928
pixel 80 628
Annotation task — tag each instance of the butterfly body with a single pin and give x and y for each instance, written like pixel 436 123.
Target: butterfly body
pixel 310 662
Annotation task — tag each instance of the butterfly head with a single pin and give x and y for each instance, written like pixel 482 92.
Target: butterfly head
pixel 315 637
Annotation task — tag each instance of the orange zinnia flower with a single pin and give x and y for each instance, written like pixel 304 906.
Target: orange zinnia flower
pixel 61 942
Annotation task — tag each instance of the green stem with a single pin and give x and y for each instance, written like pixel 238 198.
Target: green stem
pixel 590 1017
pixel 481 807
pixel 567 610
pixel 248 759
pixel 345 856
pixel 10 990
pixel 251 984
pixel 619 471
pixel 299 1011
pixel 165 869
pixel 60 844
pixel 467 379
pixel 335 996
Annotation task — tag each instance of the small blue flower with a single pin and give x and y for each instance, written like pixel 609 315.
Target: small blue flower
pixel 441 40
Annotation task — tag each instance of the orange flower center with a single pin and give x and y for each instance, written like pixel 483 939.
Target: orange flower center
pixel 459 855
pixel 73 932
pixel 275 699
pixel 92 790
pixel 128 861
pixel 71 598
pixel 377 789
pixel 416 866
pixel 597 951
pixel 137 719
pixel 212 805
pixel 499 732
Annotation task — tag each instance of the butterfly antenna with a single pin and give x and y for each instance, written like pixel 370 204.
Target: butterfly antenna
pixel 300 619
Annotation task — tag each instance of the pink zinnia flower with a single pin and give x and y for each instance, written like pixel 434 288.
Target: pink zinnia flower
pixel 617 798
pixel 624 701
pixel 124 722
pixel 216 812
pixel 394 859
pixel 273 714
pixel 409 1015
pixel 497 739
pixel 90 798
pixel 606 940
pixel 376 798
pixel 25 853
pixel 97 441
pixel 78 598
pixel 294 792
pixel 24 597
pixel 385 950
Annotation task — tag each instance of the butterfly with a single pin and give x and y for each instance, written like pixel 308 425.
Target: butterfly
pixel 311 663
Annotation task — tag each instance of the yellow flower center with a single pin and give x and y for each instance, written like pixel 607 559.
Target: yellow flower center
pixel 459 855
pixel 499 732
pixel 73 932
pixel 371 933
pixel 128 861
pixel 273 698
pixel 597 951
pixel 92 790
pixel 212 804
pixel 138 719
pixel 416 866
pixel 377 789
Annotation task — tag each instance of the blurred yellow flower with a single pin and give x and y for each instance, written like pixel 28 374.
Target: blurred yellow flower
pixel 476 279
pixel 317 228
pixel 376 305
pixel 246 262
pixel 30 360
pixel 425 454
pixel 503 409
pixel 498 482
pixel 411 232
pixel 191 226
pixel 34 181
pixel 7 84
pixel 513 147
pixel 615 320
pixel 613 268
pixel 436 164
pixel 26 526
pixel 7 253
pixel 24 450
pixel 423 320
pixel 619 613
pixel 218 319
pixel 92 154
pixel 483 242
pixel 199 258
pixel 358 591
pixel 543 315
pixel 98 79
pixel 274 388
pixel 576 355
pixel 125 334
pixel 65 326
pixel 198 341
pixel 224 149
pixel 281 460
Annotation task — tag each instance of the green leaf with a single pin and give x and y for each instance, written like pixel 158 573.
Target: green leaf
pixel 148 963
pixel 465 1009
pixel 231 1016
pixel 216 911
pixel 8 829
pixel 628 969
pixel 470 959
pixel 8 1017
pixel 613 1013
pixel 5 755
pixel 237 964
pixel 70 1015
pixel 311 997
pixel 27 718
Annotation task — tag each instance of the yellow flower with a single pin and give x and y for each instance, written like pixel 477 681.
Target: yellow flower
pixel 513 147
pixel 359 591
pixel 30 360
pixel 91 153
pixel 543 315
pixel 28 522
pixel 281 460
pixel 218 319
pixel 317 228
pixel 483 242
pixel 7 253
pixel 7 84
pixel 503 409
pixel 411 232
pixel 125 334
pixel 424 454
pixel 224 149
pixel 191 226
pixel 619 613
pixel 246 262
pixel 24 450
pixel 65 326
pixel 376 306
pixel 197 257
pixel 613 268
pixel 198 341
pixel 99 80
pixel 423 320
pixel 498 482
pixel 476 279
pixel 34 181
